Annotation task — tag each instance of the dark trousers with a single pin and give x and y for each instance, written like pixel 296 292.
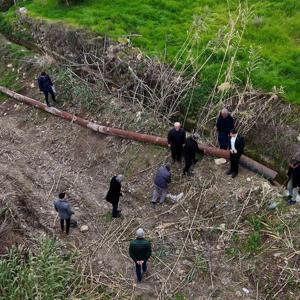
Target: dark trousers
pixel 188 164
pixel 115 212
pixel 176 152
pixel 46 93
pixel 234 162
pixel 224 140
pixel 62 223
pixel 140 270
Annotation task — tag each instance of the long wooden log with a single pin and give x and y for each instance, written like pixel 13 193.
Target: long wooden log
pixel 213 151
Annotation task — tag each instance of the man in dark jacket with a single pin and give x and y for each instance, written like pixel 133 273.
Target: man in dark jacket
pixel 161 182
pixel 64 210
pixel 140 252
pixel 176 141
pixel 293 180
pixel 46 86
pixel 189 153
pixel 114 193
pixel 237 144
pixel 225 123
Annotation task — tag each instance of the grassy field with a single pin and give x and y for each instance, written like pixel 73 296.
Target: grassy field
pixel 273 30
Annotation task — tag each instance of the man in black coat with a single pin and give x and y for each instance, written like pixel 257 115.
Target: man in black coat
pixel 237 144
pixel 293 180
pixel 189 152
pixel 176 141
pixel 46 86
pixel 114 193
pixel 225 123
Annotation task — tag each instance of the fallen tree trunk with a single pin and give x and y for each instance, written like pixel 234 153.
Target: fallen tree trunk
pixel 213 151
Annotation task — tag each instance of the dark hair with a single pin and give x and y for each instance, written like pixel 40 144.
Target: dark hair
pixel 233 131
pixel 61 195
pixel 168 167
pixel 294 161
pixel 43 73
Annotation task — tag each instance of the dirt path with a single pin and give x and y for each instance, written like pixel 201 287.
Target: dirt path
pixel 41 155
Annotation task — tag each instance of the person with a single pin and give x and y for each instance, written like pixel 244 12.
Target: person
pixel 176 141
pixel 225 123
pixel 140 252
pixel 293 180
pixel 46 86
pixel 161 182
pixel 114 193
pixel 237 144
pixel 189 153
pixel 62 206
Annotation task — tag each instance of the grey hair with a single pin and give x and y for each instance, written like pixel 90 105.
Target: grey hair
pixel 177 124
pixel 140 233
pixel 119 178
pixel 224 111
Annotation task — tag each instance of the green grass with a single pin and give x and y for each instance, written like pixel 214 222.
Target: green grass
pixel 44 274
pixel 273 30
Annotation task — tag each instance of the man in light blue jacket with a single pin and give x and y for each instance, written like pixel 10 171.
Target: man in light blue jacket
pixel 62 206
pixel 161 183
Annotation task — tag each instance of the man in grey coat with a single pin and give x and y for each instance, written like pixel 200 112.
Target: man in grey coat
pixel 62 206
pixel 161 183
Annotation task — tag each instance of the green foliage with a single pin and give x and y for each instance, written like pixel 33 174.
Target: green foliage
pixel 43 274
pixel 163 24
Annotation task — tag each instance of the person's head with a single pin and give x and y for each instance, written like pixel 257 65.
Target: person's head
pixel 224 112
pixel 62 195
pixel 140 234
pixel 43 73
pixel 177 126
pixel 168 167
pixel 294 162
pixel 232 132
pixel 195 136
pixel 119 178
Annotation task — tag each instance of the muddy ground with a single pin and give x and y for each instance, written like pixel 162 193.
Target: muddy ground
pixel 219 242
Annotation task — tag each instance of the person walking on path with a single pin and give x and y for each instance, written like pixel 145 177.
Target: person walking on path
pixel 189 152
pixel 225 123
pixel 237 144
pixel 46 86
pixel 161 183
pixel 176 141
pixel 140 252
pixel 114 193
pixel 293 181
pixel 62 206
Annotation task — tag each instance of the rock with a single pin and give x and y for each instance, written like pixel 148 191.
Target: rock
pixel 220 161
pixel 246 291
pixel 273 205
pixel 84 228
pixel 248 179
pixel 298 138
pixel 9 65
pixel 23 11
pixel 32 85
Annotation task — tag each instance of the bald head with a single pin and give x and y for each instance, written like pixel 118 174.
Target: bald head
pixel 177 126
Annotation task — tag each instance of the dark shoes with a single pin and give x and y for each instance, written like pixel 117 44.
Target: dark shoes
pixel 291 201
pixel 228 172
pixel 234 175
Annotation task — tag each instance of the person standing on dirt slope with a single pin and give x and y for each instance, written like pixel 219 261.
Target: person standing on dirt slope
pixel 293 180
pixel 225 123
pixel 140 252
pixel 114 193
pixel 176 141
pixel 161 183
pixel 237 144
pixel 189 153
pixel 62 206
pixel 46 86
